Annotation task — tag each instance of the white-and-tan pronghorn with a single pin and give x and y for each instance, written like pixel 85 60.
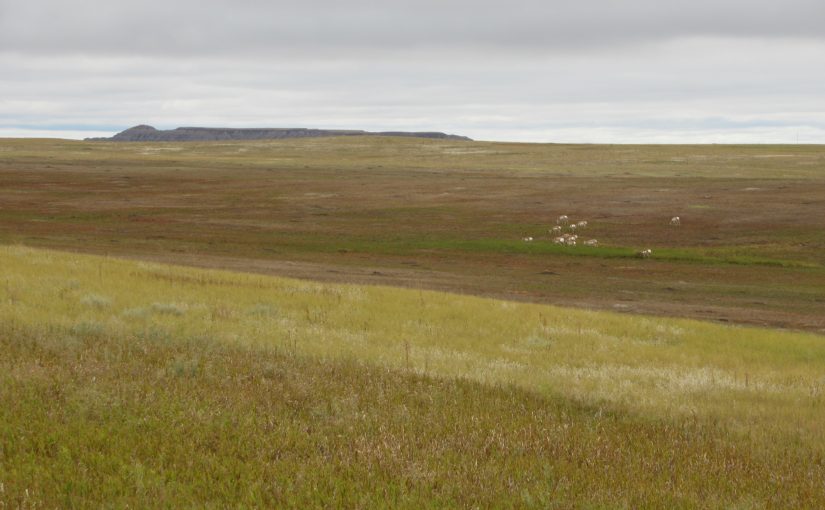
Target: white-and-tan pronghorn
pixel 645 254
pixel 675 221
pixel 591 242
pixel 555 230
pixel 527 239
pixel 563 220
pixel 582 224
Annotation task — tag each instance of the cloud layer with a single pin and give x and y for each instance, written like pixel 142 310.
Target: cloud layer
pixel 599 71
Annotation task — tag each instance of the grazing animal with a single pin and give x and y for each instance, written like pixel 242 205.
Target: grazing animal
pixel 645 254
pixel 572 228
pixel 555 230
pixel 591 242
pixel 569 239
pixel 581 224
pixel 675 221
pixel 563 220
pixel 527 239
pixel 559 240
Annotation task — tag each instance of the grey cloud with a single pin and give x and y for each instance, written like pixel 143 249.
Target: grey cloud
pixel 593 71
pixel 709 89
pixel 154 27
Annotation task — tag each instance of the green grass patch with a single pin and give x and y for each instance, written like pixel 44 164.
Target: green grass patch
pixel 544 247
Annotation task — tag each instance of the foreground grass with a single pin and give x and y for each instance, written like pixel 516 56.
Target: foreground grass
pixel 88 419
pixel 136 384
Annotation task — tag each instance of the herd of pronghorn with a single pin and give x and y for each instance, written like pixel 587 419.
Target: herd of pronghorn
pixel 570 238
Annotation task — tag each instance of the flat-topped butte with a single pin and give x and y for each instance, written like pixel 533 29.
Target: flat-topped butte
pixel 144 133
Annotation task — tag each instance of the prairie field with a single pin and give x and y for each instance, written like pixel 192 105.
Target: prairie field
pixel 128 383
pixel 357 322
pixel 450 215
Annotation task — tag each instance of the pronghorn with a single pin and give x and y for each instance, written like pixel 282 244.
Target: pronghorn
pixel 645 254
pixel 569 239
pixel 563 220
pixel 675 221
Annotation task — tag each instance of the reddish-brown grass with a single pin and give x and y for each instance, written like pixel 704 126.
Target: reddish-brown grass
pixel 450 215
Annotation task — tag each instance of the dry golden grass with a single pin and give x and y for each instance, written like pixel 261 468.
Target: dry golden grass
pixel 126 383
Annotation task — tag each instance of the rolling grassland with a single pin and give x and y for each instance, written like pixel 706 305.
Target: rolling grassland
pixel 450 215
pixel 128 383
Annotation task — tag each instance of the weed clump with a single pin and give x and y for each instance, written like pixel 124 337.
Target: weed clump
pixel 136 313
pixel 183 367
pixel 262 311
pixel 87 329
pixel 176 309
pixel 96 301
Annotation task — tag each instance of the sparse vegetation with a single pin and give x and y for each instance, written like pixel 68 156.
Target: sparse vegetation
pixel 270 391
pixel 450 215
pixel 96 301
pixel 137 384
pixel 169 308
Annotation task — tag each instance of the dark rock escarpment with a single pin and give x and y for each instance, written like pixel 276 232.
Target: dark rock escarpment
pixel 144 133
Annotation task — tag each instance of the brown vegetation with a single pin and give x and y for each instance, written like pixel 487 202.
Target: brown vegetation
pixel 450 215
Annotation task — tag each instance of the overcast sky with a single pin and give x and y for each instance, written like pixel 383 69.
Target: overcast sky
pixel 652 71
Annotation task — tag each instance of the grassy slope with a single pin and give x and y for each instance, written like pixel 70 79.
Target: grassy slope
pixel 142 384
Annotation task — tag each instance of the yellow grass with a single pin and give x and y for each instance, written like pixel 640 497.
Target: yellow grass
pixel 127 384
pixel 760 381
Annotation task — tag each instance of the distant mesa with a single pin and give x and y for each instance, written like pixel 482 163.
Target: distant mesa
pixel 144 133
